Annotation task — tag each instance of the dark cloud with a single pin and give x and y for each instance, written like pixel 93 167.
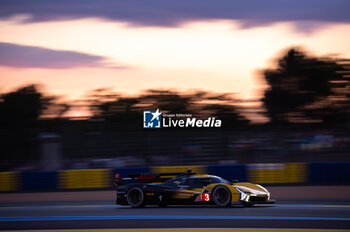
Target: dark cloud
pixel 13 55
pixel 174 12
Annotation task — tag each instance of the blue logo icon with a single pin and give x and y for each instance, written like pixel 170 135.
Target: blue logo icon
pixel 151 119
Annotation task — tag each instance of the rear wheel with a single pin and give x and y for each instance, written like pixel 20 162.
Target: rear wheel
pixel 222 196
pixel 135 197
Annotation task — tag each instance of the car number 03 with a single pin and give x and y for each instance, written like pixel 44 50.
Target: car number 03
pixel 205 197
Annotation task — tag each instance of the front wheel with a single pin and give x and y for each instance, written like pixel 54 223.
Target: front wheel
pixel 135 197
pixel 222 196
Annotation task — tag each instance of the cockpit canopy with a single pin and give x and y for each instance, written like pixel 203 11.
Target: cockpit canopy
pixel 196 181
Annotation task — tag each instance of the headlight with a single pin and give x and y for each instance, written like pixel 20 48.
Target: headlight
pixel 244 196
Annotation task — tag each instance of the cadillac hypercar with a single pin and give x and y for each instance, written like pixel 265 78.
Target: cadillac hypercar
pixel 138 190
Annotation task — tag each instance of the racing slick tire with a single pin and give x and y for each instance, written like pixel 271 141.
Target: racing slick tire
pixel 222 196
pixel 135 197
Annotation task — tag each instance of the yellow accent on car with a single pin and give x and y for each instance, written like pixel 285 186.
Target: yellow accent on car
pixel 182 169
pixel 184 194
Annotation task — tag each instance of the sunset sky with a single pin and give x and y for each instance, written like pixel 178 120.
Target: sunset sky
pixel 219 45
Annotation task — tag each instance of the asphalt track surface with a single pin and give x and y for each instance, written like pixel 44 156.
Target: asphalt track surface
pixel 297 213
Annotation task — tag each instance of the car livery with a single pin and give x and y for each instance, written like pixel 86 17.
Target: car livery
pixel 187 188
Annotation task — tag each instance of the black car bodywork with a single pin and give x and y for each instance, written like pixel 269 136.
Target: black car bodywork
pixel 186 188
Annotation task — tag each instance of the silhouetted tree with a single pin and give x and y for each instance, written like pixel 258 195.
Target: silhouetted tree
pixel 23 105
pixel 19 112
pixel 122 109
pixel 302 87
pixel 227 113
pixel 166 100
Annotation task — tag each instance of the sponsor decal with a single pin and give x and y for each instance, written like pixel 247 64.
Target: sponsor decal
pixel 157 119
pixel 151 119
pixel 205 197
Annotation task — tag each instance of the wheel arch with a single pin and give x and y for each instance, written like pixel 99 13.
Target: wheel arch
pixel 225 187
pixel 235 195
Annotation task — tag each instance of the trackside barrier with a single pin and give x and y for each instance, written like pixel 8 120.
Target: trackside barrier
pixel 229 172
pixel 163 169
pixel 277 173
pixel 85 179
pixel 35 180
pixel 9 181
pixel 329 172
pixel 102 178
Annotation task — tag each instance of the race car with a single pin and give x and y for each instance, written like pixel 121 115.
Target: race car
pixel 187 188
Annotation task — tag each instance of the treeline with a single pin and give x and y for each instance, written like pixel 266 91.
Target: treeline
pixel 301 89
pixel 306 89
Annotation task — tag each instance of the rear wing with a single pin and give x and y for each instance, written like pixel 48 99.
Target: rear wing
pixel 149 177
